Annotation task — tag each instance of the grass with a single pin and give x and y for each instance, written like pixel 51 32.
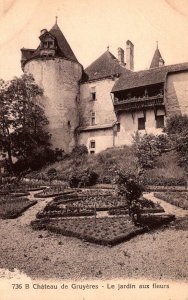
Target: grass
pixel 179 199
pixel 106 162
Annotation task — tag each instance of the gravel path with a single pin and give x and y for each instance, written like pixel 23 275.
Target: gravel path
pixel 160 254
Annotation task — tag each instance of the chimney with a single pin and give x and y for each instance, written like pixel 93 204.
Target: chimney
pixel 129 55
pixel 121 56
pixel 43 31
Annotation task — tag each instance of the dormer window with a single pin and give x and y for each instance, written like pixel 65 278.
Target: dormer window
pixel 47 47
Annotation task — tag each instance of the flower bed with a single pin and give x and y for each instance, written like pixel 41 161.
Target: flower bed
pixel 19 189
pixel 95 192
pixel 179 199
pixel 50 192
pixel 11 207
pixel 105 231
pixel 164 181
pixel 101 202
pixel 147 207
pixel 155 188
pixel 65 213
pixel 19 194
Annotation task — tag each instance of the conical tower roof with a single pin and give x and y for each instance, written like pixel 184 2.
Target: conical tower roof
pixel 157 59
pixel 64 46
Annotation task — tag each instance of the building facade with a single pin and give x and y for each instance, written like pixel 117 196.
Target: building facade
pixel 107 103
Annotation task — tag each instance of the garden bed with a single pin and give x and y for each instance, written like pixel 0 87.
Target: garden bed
pixel 51 192
pixel 148 207
pixel 105 231
pixel 11 208
pixel 160 188
pixel 179 199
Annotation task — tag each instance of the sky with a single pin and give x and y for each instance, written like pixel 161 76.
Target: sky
pixel 92 25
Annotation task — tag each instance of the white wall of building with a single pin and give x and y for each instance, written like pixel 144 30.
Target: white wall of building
pixel 102 106
pixel 103 139
pixel 129 126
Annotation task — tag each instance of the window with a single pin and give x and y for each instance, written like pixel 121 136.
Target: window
pixel 141 123
pixel 92 152
pixel 93 93
pixel 92 144
pixel 93 119
pixel 159 121
pixel 118 127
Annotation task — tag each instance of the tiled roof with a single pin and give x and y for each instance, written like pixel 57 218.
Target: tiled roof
pixel 146 77
pixel 27 53
pixel 156 59
pixel 64 50
pixel 105 66
pixel 62 43
pixel 97 127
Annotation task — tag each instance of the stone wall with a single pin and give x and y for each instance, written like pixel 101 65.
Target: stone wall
pixel 59 79
pixel 177 93
pixel 102 106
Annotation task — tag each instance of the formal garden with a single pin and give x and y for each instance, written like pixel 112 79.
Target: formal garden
pixel 100 198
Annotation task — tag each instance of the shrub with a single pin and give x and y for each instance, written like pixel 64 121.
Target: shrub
pixel 84 178
pixel 79 150
pixel 177 130
pixel 147 148
pixel 129 186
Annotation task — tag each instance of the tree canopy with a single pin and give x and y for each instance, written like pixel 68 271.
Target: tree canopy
pixel 23 130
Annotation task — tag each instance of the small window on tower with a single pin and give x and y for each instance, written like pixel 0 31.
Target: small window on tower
pixel 141 123
pixel 93 93
pixel 92 152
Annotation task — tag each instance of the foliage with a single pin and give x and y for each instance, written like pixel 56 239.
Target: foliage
pixel 79 150
pixel 23 130
pixel 147 148
pixel 179 199
pixel 82 179
pixel 177 130
pixel 161 181
pixel 129 186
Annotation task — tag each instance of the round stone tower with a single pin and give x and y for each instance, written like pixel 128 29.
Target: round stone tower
pixel 57 71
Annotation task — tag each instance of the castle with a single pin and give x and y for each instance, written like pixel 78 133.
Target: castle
pixel 105 104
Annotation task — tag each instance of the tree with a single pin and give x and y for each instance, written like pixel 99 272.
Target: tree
pixel 148 147
pixel 128 185
pixel 23 130
pixel 6 122
pixel 177 131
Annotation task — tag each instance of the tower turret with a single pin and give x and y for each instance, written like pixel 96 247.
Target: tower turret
pixel 56 70
pixel 157 60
